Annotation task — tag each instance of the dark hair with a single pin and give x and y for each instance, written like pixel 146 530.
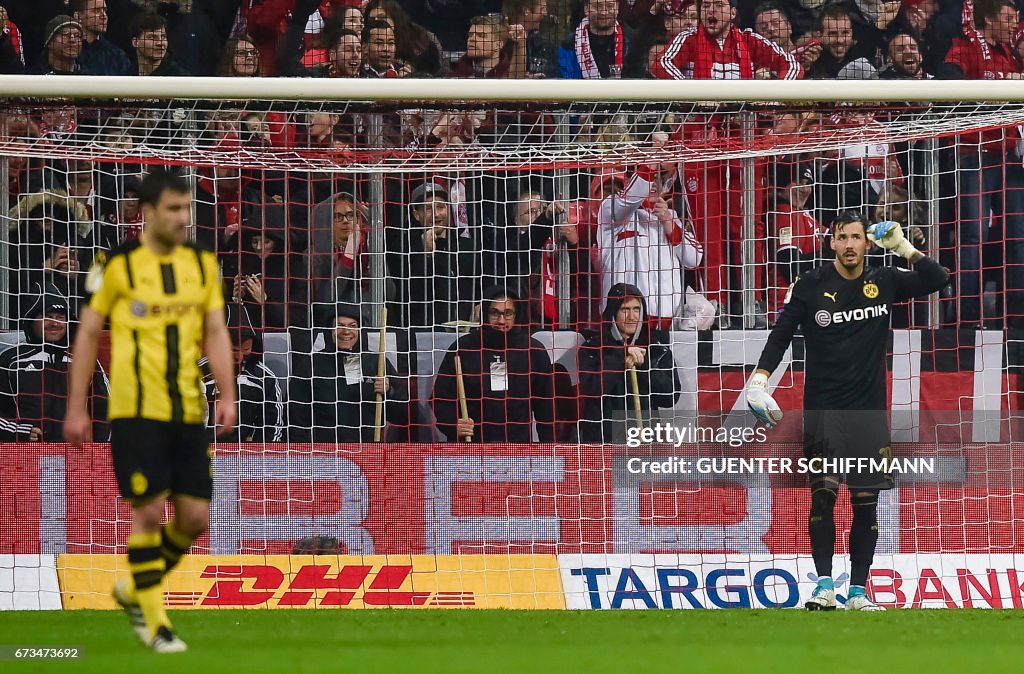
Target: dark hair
pixel 226 66
pixel 515 9
pixel 332 39
pixel 987 10
pixel 374 25
pixel 146 23
pixel 158 181
pixel 847 218
pixel 771 5
pixel 892 39
pixel 411 38
pixel 833 10
pixel 76 6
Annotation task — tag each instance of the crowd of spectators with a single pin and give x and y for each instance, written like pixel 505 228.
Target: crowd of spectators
pixel 295 246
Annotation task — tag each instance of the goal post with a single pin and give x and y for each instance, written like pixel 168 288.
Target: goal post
pixel 329 200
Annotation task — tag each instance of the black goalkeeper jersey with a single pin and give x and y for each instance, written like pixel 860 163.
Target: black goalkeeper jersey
pixel 845 324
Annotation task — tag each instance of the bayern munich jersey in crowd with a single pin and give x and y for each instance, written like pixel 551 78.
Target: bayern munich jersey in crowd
pixel 735 56
pixel 636 249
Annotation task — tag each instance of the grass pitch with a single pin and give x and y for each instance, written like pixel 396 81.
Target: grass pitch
pixel 487 642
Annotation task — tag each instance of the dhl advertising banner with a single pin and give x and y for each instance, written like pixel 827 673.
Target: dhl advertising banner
pixel 760 581
pixel 329 581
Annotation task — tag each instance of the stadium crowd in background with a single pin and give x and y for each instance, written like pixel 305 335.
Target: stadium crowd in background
pixel 294 246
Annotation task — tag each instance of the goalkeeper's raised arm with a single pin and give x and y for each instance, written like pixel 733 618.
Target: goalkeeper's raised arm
pixel 843 309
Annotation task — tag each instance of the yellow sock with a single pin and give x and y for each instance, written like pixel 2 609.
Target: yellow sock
pixel 147 566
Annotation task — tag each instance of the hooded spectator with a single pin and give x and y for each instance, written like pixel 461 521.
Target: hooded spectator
pixel 260 402
pixel 34 374
pixel 53 241
pixel 332 396
pixel 264 278
pixel 339 263
pixel 507 379
pixel 626 341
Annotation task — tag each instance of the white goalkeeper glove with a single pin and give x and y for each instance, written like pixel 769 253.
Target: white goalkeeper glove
pixel 889 235
pixel 761 402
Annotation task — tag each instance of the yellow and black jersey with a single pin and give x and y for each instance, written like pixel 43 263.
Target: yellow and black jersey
pixel 157 305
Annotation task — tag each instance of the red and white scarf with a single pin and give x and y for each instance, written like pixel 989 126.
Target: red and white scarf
pixel 705 60
pixel 585 55
pixel 972 33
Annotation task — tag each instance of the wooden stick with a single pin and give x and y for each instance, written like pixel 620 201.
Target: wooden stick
pixel 636 396
pixel 378 422
pixel 461 387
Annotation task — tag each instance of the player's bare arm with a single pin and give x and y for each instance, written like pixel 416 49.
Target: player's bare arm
pixel 217 348
pixel 77 424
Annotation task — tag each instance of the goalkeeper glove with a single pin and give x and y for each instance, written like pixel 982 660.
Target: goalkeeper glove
pixel 889 235
pixel 761 402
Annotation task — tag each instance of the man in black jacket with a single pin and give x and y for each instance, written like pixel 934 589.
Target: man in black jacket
pixel 507 376
pixel 34 375
pixel 626 341
pixel 333 398
pixel 260 403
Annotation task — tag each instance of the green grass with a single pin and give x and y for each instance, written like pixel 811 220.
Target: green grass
pixel 626 642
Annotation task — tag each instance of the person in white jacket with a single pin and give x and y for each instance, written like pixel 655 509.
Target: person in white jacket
pixel 644 242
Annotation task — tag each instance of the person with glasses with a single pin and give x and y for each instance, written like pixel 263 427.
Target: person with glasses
pixel 99 56
pixel 625 342
pixel 506 375
pixel 62 47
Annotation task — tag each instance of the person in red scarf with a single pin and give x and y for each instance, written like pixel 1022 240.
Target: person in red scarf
pixel 599 47
pixel 990 177
pixel 717 49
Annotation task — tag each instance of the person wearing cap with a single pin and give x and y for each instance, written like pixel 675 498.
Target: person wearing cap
pixel 797 238
pixel 332 392
pixel 445 265
pixel 62 46
pixel 34 374
pixel 507 378
pixel 260 401
pixel 626 341
pixel 99 56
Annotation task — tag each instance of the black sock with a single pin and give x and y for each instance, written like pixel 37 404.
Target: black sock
pixel 821 527
pixel 863 535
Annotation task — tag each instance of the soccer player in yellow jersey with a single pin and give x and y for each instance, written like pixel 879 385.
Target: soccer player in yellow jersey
pixel 165 303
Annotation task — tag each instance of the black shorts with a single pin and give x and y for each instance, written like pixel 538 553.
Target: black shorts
pixel 160 458
pixel 848 434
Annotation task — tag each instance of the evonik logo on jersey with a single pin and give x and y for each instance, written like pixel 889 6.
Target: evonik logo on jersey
pixel 825 318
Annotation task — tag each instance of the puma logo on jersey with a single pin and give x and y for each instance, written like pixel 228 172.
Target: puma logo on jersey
pixel 831 296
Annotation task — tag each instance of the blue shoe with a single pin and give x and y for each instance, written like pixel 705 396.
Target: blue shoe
pixel 824 596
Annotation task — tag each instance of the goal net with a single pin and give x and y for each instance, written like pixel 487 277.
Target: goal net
pixel 477 263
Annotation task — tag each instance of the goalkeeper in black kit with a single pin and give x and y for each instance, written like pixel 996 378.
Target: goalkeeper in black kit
pixel 843 309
